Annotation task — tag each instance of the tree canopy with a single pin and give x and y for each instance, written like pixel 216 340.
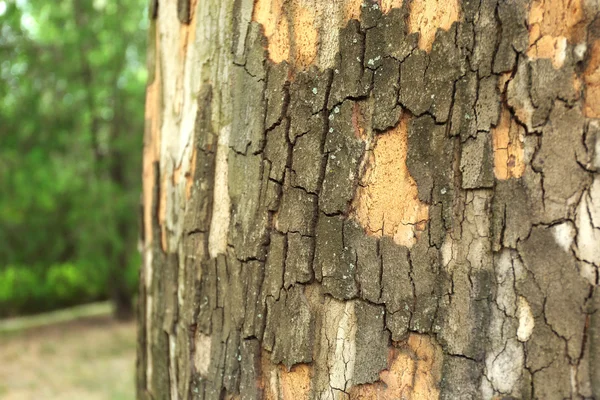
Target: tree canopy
pixel 72 78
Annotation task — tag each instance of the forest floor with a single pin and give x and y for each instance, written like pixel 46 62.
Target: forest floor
pixel 91 358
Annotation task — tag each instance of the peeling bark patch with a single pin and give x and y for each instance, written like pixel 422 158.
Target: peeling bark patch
pixel 427 16
pixel 387 201
pixel 413 373
pixel 551 24
pixel 187 30
pixel 295 383
pixel 564 234
pixel 342 359
pixel 509 153
pixel 162 212
pixel 352 9
pixel 280 383
pixel 557 18
pixel 591 78
pixel 387 5
pixel 505 368
pixel 305 37
pixel 293 31
pixel 202 353
pixel 526 320
pixel 151 151
pixel 588 224
pixel 219 226
pixel 276 28
pixel 297 44
pixel 554 48
pixel 152 133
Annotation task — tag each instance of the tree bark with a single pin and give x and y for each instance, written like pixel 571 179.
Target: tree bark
pixel 371 200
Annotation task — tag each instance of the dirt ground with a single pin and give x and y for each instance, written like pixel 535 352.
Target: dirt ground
pixel 88 359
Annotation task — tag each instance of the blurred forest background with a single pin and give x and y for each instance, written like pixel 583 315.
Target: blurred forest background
pixel 72 79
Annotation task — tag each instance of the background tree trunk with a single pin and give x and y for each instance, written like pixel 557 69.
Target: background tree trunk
pixel 371 200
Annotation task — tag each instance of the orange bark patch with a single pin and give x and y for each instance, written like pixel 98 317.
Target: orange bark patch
pixel 591 77
pixel 189 174
pixel 387 5
pixel 558 18
pixel 426 17
pixel 276 29
pixel 554 48
pixel 295 383
pixel 176 175
pixel 387 202
pixel 279 383
pixel 414 373
pixel 151 145
pixel 305 37
pixel 551 24
pixel 508 147
pixel 292 31
pixel 162 211
pixel 503 81
pixel 352 10
pixel 187 32
pixel 187 35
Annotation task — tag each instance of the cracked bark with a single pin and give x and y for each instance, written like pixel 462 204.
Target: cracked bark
pixel 371 200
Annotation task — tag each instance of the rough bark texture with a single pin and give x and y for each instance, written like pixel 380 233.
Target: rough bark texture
pixel 371 200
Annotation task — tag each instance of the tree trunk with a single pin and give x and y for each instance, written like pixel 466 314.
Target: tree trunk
pixel 371 200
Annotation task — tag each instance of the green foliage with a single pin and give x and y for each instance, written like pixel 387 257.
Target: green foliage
pixel 67 281
pixel 26 289
pixel 72 76
pixel 18 287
